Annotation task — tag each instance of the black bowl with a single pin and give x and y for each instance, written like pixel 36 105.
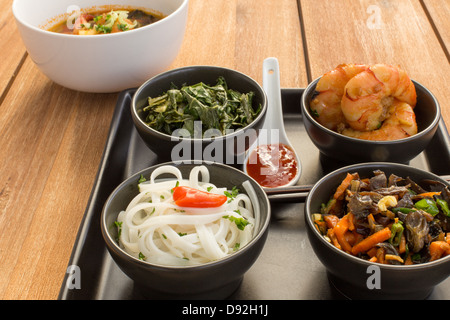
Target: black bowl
pixel 229 148
pixel 350 274
pixel 350 150
pixel 213 280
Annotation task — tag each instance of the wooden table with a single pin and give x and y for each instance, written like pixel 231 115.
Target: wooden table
pixel 52 138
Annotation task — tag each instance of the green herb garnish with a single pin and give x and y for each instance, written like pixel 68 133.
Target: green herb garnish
pixel 119 229
pixel 241 223
pixel 142 179
pixel 234 192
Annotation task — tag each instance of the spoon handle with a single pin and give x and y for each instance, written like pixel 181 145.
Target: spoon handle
pixel 271 84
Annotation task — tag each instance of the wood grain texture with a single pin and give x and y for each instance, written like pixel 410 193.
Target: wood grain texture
pixel 52 142
pixel 240 34
pixel 439 12
pixel 13 51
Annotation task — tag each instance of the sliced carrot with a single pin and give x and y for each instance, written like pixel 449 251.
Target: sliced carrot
pixel 331 220
pixel 429 194
pixel 402 245
pixel 350 238
pixel 339 194
pixel 372 252
pixel 408 260
pixel 351 221
pixel 339 230
pixel 380 255
pixel 371 241
pixel 358 237
pixel 438 249
pixel 333 238
pixel 373 259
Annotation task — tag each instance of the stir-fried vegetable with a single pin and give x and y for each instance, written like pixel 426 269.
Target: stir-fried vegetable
pixel 216 107
pixel 388 220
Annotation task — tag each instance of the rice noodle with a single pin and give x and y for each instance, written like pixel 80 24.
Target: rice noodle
pixel 155 229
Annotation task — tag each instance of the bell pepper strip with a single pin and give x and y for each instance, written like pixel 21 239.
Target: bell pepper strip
pixel 427 205
pixel 193 198
pixel 396 233
pixel 371 241
pixel 402 210
pixel 444 206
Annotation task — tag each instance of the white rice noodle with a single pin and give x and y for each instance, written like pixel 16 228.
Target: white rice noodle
pixel 155 229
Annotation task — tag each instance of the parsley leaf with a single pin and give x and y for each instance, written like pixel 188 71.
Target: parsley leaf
pixel 241 223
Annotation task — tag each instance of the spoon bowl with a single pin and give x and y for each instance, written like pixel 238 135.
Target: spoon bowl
pixel 273 149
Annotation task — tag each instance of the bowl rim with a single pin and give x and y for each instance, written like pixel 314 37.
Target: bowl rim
pixel 169 17
pixel 353 168
pixel 111 243
pixel 144 126
pixel 304 104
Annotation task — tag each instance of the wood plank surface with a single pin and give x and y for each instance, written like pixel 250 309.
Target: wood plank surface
pixel 240 34
pixel 368 31
pixel 13 51
pixel 52 142
pixel 439 12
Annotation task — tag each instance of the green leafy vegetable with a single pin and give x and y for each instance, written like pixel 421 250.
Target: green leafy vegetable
pixel 427 205
pixel 444 206
pixel 217 107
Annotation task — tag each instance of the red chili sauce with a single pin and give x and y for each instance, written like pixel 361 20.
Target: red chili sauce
pixel 272 165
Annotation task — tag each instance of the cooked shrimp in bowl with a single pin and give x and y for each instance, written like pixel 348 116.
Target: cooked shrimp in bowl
pixel 371 102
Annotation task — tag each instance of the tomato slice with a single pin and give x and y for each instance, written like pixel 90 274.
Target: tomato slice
pixel 193 198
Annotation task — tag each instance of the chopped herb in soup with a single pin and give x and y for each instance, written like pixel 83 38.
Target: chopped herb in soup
pixel 103 22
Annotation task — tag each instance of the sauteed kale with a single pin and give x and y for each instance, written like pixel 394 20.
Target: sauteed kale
pixel 215 107
pixel 390 220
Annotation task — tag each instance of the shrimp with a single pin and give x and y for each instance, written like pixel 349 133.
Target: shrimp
pixel 326 106
pixel 400 123
pixel 369 94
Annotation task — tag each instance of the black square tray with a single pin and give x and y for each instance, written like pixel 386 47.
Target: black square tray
pixel 287 268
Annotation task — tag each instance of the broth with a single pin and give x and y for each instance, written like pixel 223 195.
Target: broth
pixel 104 21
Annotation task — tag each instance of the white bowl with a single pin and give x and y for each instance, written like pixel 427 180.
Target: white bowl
pixel 101 63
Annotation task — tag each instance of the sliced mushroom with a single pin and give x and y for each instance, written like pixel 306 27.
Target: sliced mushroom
pixel 417 228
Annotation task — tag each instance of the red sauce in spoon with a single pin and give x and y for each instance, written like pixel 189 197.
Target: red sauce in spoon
pixel 272 165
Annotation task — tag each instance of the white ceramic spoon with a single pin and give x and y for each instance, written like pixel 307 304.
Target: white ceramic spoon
pixel 274 132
